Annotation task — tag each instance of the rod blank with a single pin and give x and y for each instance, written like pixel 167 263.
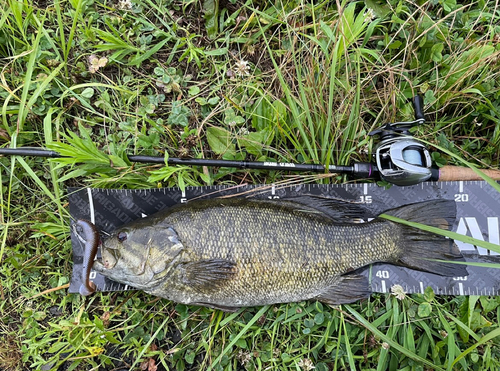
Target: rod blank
pixel 289 166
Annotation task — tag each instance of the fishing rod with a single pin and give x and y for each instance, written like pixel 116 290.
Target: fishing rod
pixel 398 158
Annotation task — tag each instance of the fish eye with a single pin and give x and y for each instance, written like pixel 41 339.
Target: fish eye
pixel 122 236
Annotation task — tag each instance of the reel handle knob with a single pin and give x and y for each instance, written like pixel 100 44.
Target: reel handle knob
pixel 418 107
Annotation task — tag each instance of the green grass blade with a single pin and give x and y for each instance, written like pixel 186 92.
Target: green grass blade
pixel 243 331
pixel 43 86
pixel 137 60
pixel 76 18
pixel 442 232
pixel 450 340
pixel 30 67
pixel 48 130
pixel 389 341
pixel 150 341
pixel 37 180
pixel 486 338
pixel 350 356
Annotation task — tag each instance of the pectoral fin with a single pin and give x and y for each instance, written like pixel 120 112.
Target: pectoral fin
pixel 208 275
pixel 349 289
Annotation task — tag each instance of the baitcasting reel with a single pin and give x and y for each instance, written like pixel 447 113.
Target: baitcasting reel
pixel 400 158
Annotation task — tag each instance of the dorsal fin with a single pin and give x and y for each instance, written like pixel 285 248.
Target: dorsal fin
pixel 340 211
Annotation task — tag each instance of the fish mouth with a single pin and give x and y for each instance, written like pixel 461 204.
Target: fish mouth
pixel 98 265
pixel 109 258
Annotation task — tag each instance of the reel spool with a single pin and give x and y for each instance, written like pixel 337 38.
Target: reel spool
pixel 403 161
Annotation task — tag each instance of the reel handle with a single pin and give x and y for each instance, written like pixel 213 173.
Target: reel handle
pixel 449 173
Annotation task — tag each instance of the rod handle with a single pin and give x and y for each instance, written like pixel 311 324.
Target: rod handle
pixel 448 173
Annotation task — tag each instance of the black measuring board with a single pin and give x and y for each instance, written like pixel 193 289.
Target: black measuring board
pixel 478 215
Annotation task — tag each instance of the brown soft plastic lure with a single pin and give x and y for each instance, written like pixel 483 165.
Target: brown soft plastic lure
pixel 91 236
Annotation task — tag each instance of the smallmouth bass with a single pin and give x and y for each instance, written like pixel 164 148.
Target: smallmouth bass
pixel 236 252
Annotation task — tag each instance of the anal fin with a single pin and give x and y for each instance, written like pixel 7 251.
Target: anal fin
pixel 348 289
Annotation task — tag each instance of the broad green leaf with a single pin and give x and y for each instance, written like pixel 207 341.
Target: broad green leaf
pixel 216 52
pixel 380 7
pixel 194 90
pixel 213 101
pixel 254 142
pixel 436 52
pixel 449 5
pixel 57 347
pixel 231 118
pixel 211 10
pixel 478 321
pixel 424 309
pixel 88 93
pixel 220 141
pixel 429 294
pixel 117 161
pixel 327 30
pixel 179 115
pixel 189 357
pixel 489 303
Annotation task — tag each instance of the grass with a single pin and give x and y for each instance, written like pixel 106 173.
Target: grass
pixel 282 81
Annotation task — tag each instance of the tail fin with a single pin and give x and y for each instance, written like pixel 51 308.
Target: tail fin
pixel 421 249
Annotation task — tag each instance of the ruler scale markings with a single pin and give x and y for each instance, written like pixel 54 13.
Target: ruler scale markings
pixel 384 288
pixel 422 287
pixel 472 218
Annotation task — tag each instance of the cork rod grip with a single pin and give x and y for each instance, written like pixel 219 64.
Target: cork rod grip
pixel 464 173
